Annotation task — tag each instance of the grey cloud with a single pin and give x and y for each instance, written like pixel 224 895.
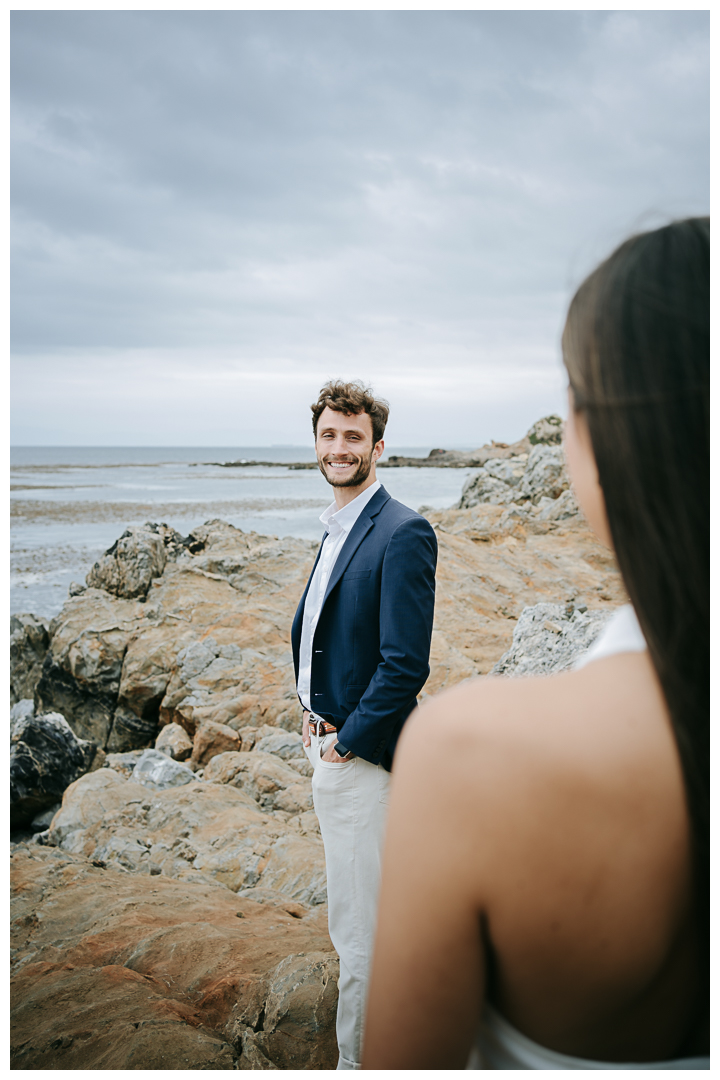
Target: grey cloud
pixel 281 182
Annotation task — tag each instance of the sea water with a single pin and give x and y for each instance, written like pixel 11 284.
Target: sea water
pixel 69 504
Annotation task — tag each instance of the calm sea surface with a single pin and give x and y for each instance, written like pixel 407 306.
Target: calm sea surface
pixel 69 504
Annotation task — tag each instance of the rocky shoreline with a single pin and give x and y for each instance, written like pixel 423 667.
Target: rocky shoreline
pixel 168 872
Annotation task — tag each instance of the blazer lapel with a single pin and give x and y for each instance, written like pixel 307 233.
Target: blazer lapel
pixel 359 531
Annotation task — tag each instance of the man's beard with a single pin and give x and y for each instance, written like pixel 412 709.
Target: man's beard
pixel 356 476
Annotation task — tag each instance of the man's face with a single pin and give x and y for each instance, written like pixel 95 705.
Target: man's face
pixel 344 448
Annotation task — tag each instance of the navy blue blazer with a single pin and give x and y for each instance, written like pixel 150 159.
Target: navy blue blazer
pixel 372 641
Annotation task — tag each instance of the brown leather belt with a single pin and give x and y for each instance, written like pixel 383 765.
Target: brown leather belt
pixel 320 727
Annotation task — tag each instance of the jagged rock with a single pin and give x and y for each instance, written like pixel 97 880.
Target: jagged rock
pixel 158 771
pixel 29 641
pixel 565 506
pixel 545 473
pixel 45 757
pixel 483 488
pixel 200 831
pixel 522 479
pixel 212 739
pixel 273 784
pixel 113 970
pixel 82 669
pixel 175 742
pixel 550 638
pixel 547 430
pixel 130 566
pixel 509 470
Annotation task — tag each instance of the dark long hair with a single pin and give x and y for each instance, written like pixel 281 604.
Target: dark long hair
pixel 636 347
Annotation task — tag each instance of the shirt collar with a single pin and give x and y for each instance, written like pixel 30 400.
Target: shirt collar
pixel 346 516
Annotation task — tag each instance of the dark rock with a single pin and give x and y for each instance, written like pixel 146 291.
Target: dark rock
pixel 128 731
pixel 45 758
pixel 29 642
pixel 42 821
pixel 91 709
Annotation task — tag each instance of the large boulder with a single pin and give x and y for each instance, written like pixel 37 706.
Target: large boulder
pixel 549 638
pixel 29 641
pixel 123 971
pixel 45 757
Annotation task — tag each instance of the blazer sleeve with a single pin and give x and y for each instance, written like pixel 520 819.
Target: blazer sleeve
pixel 407 603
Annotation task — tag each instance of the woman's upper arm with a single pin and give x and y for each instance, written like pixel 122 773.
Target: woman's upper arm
pixel 427 980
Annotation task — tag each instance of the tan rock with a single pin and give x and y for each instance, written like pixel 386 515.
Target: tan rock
pixel 125 971
pixel 175 742
pixel 272 783
pixel 203 832
pixel 212 739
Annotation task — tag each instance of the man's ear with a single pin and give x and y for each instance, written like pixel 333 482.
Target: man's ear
pixel 378 449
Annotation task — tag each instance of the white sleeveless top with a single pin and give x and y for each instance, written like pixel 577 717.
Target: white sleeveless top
pixel 501 1046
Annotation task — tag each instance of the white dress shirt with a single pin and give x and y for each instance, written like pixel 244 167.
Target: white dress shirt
pixel 338 523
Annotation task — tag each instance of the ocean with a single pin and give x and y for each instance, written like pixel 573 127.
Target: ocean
pixel 69 504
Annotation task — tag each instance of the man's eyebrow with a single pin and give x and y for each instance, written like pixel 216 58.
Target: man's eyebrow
pixel 348 431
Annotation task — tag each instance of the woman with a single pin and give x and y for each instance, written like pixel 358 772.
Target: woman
pixel 545 879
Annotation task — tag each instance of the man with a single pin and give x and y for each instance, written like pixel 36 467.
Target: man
pixel 361 642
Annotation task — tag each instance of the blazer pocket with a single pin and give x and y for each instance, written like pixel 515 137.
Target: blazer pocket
pixel 355 574
pixel 354 692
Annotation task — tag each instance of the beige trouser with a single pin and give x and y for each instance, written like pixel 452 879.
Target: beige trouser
pixel 351 804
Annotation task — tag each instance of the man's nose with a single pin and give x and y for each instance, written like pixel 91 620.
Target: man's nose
pixel 340 446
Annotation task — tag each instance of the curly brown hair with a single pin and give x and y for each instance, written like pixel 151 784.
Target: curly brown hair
pixel 352 398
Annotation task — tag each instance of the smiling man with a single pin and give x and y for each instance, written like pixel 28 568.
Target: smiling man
pixel 361 646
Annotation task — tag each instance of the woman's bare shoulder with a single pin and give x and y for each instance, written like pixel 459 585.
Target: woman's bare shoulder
pixel 526 752
pixel 613 703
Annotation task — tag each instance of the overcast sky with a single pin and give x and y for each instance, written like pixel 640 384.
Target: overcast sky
pixel 214 212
